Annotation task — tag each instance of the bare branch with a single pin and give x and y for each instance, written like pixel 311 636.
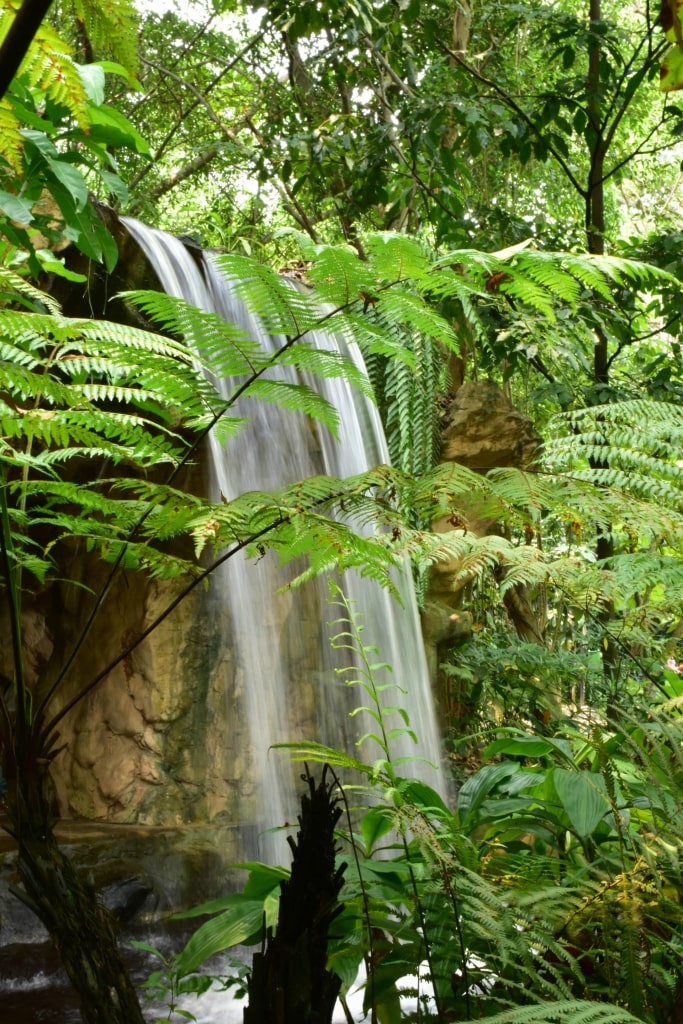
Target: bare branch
pixel 182 174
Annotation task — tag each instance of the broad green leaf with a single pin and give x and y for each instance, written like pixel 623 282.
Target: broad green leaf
pixel 475 790
pixel 423 796
pixel 381 992
pixel 239 924
pixel 346 963
pixel 525 746
pixel 43 144
pixel 52 265
pixel 263 879
pixel 19 210
pixel 110 126
pixel 583 796
pixel 113 68
pixel 671 70
pixel 146 947
pixel 115 185
pixel 374 825
pixel 72 179
pixel 92 76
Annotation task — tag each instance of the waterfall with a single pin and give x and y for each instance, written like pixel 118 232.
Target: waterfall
pixel 278 668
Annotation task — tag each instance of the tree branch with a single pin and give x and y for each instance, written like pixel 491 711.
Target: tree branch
pixel 294 206
pixel 182 174
pixel 513 105
pixel 199 99
pixel 26 23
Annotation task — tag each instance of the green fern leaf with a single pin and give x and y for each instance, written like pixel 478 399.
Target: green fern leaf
pixel 568 1011
pixel 112 28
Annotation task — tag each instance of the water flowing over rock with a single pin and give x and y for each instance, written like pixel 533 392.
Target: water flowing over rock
pixel 182 731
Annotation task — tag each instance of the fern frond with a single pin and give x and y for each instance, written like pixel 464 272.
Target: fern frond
pixel 567 1011
pixel 375 340
pixel 336 273
pixel 318 753
pixel 275 301
pixel 296 397
pixel 22 291
pixel 49 67
pixel 112 28
pixel 630 445
pixel 34 343
pixel 228 350
pixel 565 276
pixel 326 364
pixel 396 306
pixel 11 138
pixel 396 257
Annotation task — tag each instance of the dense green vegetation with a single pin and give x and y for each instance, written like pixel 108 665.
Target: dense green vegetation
pixel 477 193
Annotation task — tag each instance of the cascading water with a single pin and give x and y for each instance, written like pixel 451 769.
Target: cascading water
pixel 279 667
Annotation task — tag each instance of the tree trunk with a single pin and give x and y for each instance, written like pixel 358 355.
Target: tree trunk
pixel 20 36
pixel 81 928
pixel 595 231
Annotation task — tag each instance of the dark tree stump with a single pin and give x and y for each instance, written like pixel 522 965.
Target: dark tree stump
pixel 290 982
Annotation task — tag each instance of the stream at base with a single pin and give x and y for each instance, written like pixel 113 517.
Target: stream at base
pixel 35 990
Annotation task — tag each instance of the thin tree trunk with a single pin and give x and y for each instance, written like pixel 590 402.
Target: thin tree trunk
pixel 595 232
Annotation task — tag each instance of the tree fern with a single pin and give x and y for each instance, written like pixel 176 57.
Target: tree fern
pixel 633 445
pixel 280 306
pixel 335 272
pixel 60 379
pixel 11 149
pixel 379 311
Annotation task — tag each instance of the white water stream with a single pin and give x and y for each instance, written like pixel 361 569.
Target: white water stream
pixel 283 669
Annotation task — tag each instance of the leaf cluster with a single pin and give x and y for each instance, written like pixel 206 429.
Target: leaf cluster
pixel 58 141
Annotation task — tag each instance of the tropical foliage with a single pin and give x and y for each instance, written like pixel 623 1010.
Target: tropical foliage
pixel 554 888
pixel 383 152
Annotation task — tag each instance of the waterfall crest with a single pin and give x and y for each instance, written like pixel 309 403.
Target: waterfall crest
pixel 279 675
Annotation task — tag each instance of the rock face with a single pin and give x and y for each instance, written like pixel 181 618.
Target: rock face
pixel 143 747
pixel 152 741
pixel 140 873
pixel 483 430
pixel 442 626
